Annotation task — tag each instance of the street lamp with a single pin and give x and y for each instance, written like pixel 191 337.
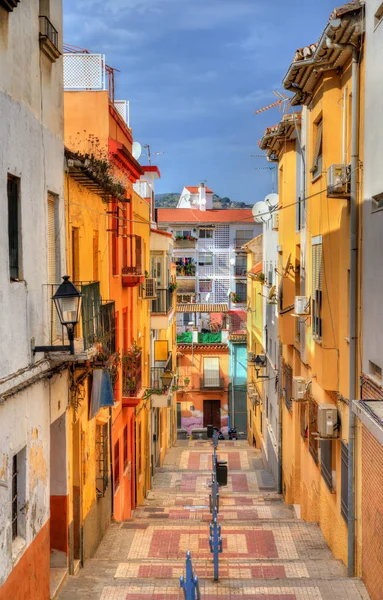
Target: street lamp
pixel 260 363
pixel 67 300
pixel 166 378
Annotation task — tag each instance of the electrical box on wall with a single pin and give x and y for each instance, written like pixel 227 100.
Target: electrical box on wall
pixel 299 388
pixel 327 421
pixel 338 181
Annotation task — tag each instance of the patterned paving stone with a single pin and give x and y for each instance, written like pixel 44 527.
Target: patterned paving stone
pixel 268 554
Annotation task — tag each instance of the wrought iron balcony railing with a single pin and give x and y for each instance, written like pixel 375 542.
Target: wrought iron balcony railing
pixel 49 38
pixel 163 304
pixel 131 374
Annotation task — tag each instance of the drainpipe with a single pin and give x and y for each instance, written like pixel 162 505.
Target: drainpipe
pixel 352 297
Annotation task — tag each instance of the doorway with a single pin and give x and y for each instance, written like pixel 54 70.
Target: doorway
pixel 212 413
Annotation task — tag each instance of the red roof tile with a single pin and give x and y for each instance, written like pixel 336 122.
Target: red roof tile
pixel 193 189
pixel 193 215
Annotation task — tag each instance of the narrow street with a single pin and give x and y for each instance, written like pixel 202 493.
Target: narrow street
pixel 268 554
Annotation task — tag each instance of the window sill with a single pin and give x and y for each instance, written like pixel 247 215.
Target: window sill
pixel 315 178
pixel 376 210
pixel 318 341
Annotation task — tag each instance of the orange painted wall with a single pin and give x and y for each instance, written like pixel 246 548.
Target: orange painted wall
pixel 30 577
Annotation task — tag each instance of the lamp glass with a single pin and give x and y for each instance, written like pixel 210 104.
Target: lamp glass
pixel 166 378
pixel 67 300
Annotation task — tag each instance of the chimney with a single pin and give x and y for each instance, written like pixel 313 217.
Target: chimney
pixel 202 196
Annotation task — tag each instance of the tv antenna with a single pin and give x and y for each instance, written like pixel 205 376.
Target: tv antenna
pixel 273 174
pixel 149 154
pixel 283 103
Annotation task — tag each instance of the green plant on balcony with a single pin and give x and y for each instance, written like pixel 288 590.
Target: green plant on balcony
pixel 172 286
pixel 261 277
pixel 235 298
pixel 191 238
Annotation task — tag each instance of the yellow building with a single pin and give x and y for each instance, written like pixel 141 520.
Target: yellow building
pixel 89 443
pixel 255 281
pixel 163 340
pixel 314 249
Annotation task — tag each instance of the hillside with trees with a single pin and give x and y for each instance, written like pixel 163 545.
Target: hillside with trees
pixel 170 199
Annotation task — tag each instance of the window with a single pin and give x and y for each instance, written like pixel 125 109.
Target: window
pixel 303 420
pixel 183 233
pixel 316 168
pixel 241 291
pixel 242 236
pixel 187 318
pixel 205 234
pixel 316 297
pixel 378 16
pixel 19 469
pixel 140 448
pixel 377 202
pixel 211 372
pixel 344 480
pixel 250 419
pixel 313 429
pixel 44 8
pixel 288 386
pixel 205 285
pixel 156 268
pixel 102 438
pixel 14 228
pixel 326 462
pixel 125 447
pixel 205 259
pixel 117 464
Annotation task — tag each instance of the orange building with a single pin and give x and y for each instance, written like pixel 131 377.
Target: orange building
pixel 106 136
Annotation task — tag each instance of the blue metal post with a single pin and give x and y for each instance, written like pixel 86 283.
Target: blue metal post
pixel 190 584
pixel 215 542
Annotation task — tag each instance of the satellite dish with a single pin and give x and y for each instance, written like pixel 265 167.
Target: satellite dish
pixel 185 197
pixel 261 212
pixel 272 200
pixel 136 150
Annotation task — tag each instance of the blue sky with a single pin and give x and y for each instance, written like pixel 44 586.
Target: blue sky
pixel 194 72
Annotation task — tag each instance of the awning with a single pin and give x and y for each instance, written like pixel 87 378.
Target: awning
pixel 202 308
pixel 102 392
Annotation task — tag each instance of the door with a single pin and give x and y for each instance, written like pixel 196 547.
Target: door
pixel 212 413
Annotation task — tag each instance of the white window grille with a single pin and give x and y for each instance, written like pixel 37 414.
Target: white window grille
pixel 222 268
pixel 84 72
pixel 123 109
pixel 222 290
pixel 222 239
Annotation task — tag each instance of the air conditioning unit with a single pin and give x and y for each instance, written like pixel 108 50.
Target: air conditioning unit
pixel 250 356
pixel 299 388
pixel 338 181
pixel 275 220
pixel 149 289
pixel 327 421
pixel 301 306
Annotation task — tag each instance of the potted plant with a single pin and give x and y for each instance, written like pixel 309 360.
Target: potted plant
pixel 186 381
pixel 235 298
pixel 261 278
pixel 172 286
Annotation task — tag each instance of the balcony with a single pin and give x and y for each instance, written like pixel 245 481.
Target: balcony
pixel 132 390
pixel 132 272
pixel 9 5
pixel 239 242
pixel 185 242
pixel 185 270
pixel 240 271
pixel 143 189
pixel 49 39
pixel 163 304
pixel 203 338
pixel 210 384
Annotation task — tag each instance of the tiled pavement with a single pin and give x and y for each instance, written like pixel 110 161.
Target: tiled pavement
pixel 268 554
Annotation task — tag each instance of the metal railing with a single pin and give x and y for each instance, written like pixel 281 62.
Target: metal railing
pixel 240 270
pixel 208 385
pixel 157 372
pixel 131 374
pixel 48 31
pixel 108 326
pixel 163 303
pixel 180 243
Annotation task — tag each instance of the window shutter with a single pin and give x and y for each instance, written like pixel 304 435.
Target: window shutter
pixel 138 254
pixel 316 268
pixel 318 147
pixel 51 240
pixel 211 372
pixel 326 462
pixel 13 227
pixel 344 480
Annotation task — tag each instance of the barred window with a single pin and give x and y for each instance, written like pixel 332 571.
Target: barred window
pixel 326 462
pixel 102 479
pixel 344 480
pixel 316 168
pixel 316 297
pixel 116 464
pixel 313 429
pixel 288 386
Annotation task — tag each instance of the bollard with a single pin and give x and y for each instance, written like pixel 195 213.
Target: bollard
pixel 215 543
pixel 189 583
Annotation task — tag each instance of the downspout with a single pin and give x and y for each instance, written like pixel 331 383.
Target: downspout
pixel 352 298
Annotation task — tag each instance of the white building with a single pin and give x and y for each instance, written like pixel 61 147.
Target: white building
pixel 33 391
